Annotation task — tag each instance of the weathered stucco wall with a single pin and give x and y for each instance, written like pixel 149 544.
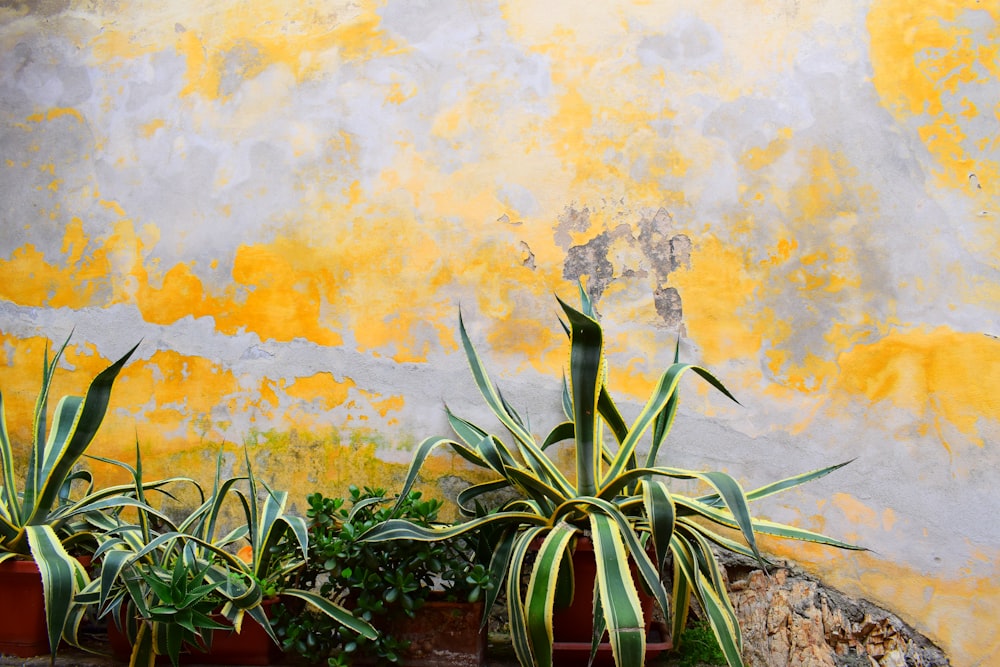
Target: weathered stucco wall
pixel 287 202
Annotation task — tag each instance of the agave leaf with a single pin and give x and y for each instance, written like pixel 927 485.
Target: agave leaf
pixel 541 592
pixel 719 613
pixel 532 454
pixel 471 493
pixel 421 453
pixel 721 540
pixel 661 512
pixel 780 485
pixel 619 597
pixel 75 426
pixel 730 491
pixel 723 625
pixel 567 401
pixel 626 534
pixel 113 565
pixel 664 390
pixel 33 477
pixel 468 432
pixel 204 520
pixel 488 389
pixel 791 532
pixel 401 529
pixel 681 596
pixel 609 412
pixel 61 578
pixel 143 654
pixel 586 359
pixel 10 507
pixel 494 454
pixel 536 489
pixel 560 433
pixel 8 532
pixel 712 577
pixel 499 564
pixel 515 605
pixel 335 612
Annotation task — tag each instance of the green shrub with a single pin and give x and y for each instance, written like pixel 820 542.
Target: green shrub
pixel 378 582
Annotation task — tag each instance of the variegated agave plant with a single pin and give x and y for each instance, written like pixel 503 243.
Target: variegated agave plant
pixel 620 496
pixel 166 586
pixel 46 517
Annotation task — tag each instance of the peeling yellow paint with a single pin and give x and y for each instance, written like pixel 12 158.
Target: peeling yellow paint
pixel 383 406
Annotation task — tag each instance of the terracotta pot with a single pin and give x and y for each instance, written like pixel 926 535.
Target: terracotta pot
pixel 572 626
pixel 443 634
pixel 22 614
pixel 251 646
pixel 23 628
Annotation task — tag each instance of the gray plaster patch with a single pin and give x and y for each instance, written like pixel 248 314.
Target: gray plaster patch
pixel 572 219
pixel 40 7
pixel 236 63
pixel 656 250
pixel 667 301
pixel 665 251
pixel 591 260
pixel 687 43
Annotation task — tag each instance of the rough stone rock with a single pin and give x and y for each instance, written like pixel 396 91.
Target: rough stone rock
pixel 791 618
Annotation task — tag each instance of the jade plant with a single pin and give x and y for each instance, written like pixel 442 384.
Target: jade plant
pixel 378 582
pixel 43 517
pixel 618 493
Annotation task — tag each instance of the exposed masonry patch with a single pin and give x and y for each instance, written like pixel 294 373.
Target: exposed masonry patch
pixel 791 618
pixel 658 250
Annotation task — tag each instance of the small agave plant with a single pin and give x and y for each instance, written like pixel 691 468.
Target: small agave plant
pixel 44 518
pixel 167 585
pixel 618 495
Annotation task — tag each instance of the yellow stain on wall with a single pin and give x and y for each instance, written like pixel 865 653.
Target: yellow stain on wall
pixel 21 377
pixel 150 128
pixel 179 393
pixel 718 291
pixel 758 158
pixel 322 389
pixel 285 291
pixel 937 374
pixel 54 113
pixel 925 54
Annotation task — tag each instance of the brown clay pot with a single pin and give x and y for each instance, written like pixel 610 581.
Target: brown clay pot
pixel 572 626
pixel 22 613
pixel 443 634
pixel 23 628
